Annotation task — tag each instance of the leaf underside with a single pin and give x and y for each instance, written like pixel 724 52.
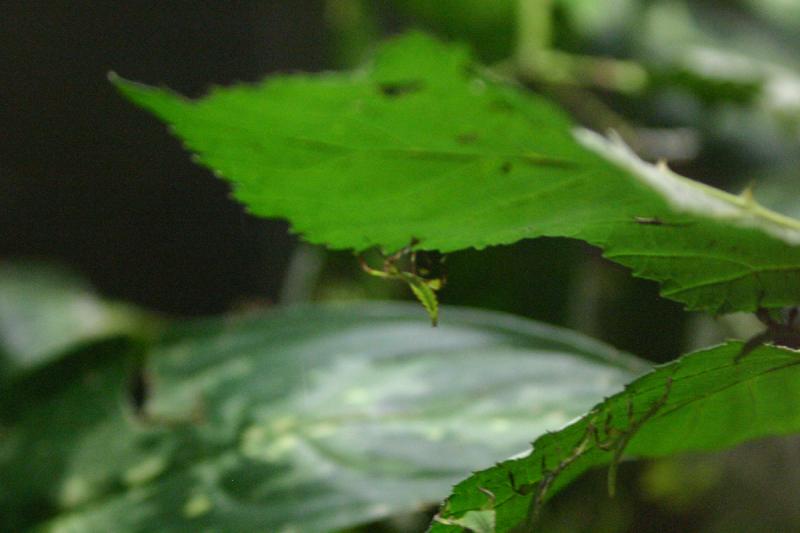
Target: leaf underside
pixel 420 145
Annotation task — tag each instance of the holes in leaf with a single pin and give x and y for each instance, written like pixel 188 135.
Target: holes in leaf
pixel 401 88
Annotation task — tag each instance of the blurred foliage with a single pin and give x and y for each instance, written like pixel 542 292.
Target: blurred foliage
pixel 721 102
pixel 46 311
pixel 487 26
pixel 316 417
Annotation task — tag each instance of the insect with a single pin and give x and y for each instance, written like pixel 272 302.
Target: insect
pixel 780 333
pixel 418 279
pixel 612 439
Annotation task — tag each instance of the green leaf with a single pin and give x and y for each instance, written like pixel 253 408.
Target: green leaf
pixel 703 401
pixel 717 59
pixel 67 437
pixel 489 27
pixel 476 521
pixel 425 292
pixel 46 311
pixel 421 146
pixel 314 419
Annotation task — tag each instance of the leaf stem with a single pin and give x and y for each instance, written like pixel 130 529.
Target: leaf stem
pixel 534 31
pixel 536 60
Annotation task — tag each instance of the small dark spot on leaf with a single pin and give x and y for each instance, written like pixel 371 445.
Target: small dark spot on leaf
pixel 400 88
pixel 467 138
pixel 655 221
pixel 501 105
pixel 506 167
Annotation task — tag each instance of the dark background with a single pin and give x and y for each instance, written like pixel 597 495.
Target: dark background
pixel 89 180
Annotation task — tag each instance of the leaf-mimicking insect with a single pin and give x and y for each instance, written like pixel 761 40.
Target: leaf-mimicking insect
pixel 418 279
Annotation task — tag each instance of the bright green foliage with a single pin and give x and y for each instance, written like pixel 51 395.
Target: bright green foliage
pixel 314 418
pixel 703 401
pixel 45 311
pixel 422 145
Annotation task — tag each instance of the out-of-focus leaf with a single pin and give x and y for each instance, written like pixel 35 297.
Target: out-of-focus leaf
pixel 46 311
pixel 595 19
pixel 420 148
pixel 720 56
pixel 780 12
pixel 703 401
pixel 311 419
pixel 67 437
pixel 489 27
pixel 780 192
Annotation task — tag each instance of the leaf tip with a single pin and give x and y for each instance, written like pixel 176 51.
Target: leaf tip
pixel 119 82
